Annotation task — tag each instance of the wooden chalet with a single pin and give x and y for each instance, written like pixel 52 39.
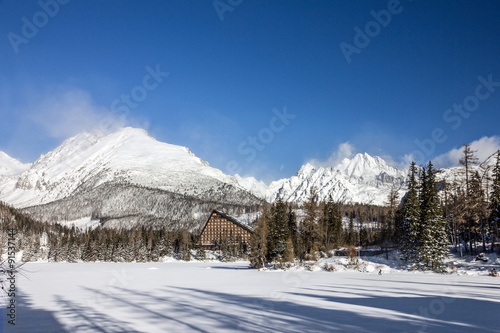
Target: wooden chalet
pixel 222 228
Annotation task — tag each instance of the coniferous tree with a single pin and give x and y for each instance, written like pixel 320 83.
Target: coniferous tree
pixel 351 238
pixel 494 205
pixel 477 202
pixel 309 226
pixel 392 201
pixel 409 233
pixel 433 241
pixel 468 160
pixel 292 229
pixel 184 246
pixel 278 232
pixel 331 225
pixel 258 240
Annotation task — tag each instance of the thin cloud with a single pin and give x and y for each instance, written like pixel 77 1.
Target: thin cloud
pixel 68 113
pixel 344 150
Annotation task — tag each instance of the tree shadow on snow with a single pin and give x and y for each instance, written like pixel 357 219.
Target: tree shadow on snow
pixel 231 268
pixel 426 313
pixel 179 309
pixel 85 318
pixel 29 318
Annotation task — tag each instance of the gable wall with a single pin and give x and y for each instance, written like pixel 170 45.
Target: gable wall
pixel 219 228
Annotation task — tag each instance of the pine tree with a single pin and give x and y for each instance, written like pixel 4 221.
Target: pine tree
pixel 309 226
pixel 331 222
pixel 258 240
pixel 288 254
pixel 292 229
pixel 468 160
pixel 278 231
pixel 392 201
pixel 477 208
pixel 409 230
pixel 184 252
pixel 351 239
pixel 433 239
pixel 494 205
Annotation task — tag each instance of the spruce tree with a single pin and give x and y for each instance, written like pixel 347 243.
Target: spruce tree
pixel 468 160
pixel 278 231
pixel 494 205
pixel 331 224
pixel 433 241
pixel 351 239
pixel 392 201
pixel 258 240
pixel 184 252
pixel 309 226
pixel 292 229
pixel 409 241
pixel 477 204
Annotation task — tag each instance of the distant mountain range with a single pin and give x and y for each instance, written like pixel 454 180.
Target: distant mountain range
pixel 362 179
pixel 127 178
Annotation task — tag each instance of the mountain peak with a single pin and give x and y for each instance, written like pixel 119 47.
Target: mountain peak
pixel 363 179
pixel 306 169
pixel 9 166
pixel 126 156
pixel 132 132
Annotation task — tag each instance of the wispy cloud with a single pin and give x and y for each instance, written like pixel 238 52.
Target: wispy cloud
pixel 67 113
pixel 484 147
pixel 344 150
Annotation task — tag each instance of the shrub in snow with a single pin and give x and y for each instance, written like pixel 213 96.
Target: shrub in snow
pixel 329 268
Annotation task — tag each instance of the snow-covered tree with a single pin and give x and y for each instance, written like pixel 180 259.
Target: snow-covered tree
pixel 494 205
pixel 278 231
pixel 309 227
pixel 409 228
pixel 434 243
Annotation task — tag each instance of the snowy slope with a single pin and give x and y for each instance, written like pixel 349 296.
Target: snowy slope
pixel 10 166
pixel 362 179
pixel 128 156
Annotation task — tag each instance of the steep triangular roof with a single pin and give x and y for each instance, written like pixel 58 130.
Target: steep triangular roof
pixel 227 217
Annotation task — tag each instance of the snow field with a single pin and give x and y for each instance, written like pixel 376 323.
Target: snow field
pixel 229 297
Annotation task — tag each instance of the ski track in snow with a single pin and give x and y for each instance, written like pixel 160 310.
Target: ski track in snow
pixel 229 297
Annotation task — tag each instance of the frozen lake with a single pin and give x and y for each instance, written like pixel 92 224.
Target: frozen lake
pixel 228 297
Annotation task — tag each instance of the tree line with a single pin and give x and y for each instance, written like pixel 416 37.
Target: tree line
pixel 437 212
pixel 54 242
pixel 280 236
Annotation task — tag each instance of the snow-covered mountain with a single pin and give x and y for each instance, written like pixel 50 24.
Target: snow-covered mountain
pixel 455 176
pixel 10 166
pixel 122 165
pixel 128 177
pixel 362 179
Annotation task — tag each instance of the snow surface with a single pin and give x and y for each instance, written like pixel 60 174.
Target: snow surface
pixel 229 297
pixel 85 223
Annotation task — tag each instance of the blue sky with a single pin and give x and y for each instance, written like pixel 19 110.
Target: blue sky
pixel 234 67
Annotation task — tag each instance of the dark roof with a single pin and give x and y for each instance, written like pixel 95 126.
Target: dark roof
pixel 229 218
